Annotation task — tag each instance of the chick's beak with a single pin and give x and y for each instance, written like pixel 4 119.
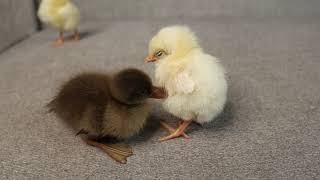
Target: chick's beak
pixel 150 58
pixel 158 93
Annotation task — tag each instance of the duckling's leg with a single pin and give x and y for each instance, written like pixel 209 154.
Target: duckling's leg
pixel 76 35
pixel 176 133
pixel 119 152
pixel 60 40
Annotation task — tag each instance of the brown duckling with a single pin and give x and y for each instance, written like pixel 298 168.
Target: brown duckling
pixel 100 105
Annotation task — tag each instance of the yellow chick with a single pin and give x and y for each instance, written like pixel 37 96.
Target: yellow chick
pixel 195 81
pixel 62 15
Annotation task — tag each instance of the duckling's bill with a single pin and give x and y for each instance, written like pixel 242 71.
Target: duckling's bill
pixel 158 93
pixel 150 58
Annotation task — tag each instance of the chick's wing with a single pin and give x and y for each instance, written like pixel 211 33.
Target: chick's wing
pixel 184 83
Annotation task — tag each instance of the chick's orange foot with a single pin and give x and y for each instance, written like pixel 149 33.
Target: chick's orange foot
pixel 175 133
pixel 59 42
pixel 118 152
pixel 76 36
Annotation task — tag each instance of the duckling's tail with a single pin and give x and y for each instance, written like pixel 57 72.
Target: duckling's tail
pixel 51 106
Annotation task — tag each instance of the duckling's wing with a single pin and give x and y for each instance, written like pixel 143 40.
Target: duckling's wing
pixel 82 101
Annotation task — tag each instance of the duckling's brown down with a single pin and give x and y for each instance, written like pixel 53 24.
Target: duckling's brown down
pixel 102 105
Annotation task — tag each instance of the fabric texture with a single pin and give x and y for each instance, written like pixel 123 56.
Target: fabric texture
pixel 270 127
pixel 17 21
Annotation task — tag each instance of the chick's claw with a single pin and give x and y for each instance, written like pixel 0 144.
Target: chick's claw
pixel 171 136
pixel 177 133
pixel 172 130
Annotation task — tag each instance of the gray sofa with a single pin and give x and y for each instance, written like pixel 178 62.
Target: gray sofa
pixel 17 21
pixel 270 128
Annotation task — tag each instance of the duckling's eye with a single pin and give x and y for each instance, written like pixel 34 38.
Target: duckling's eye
pixel 159 53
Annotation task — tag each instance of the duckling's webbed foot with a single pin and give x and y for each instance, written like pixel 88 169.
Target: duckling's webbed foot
pixel 118 151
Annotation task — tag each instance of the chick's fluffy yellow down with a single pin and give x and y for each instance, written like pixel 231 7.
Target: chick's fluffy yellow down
pixel 59 14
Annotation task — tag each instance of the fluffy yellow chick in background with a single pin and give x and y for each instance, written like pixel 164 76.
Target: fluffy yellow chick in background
pixel 195 81
pixel 62 15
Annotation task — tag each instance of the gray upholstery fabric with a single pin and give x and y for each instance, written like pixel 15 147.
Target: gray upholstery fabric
pixel 270 128
pixel 17 21
pixel 196 9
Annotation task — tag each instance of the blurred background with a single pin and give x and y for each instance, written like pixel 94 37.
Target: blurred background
pixel 18 17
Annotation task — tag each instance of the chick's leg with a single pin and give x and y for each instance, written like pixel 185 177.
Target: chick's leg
pixel 76 35
pixel 60 40
pixel 176 133
pixel 119 152
pixel 172 130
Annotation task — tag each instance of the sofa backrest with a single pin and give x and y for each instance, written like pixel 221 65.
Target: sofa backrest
pixel 161 9
pixel 17 17
pixel 17 21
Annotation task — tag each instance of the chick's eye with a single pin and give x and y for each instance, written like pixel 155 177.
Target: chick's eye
pixel 159 53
